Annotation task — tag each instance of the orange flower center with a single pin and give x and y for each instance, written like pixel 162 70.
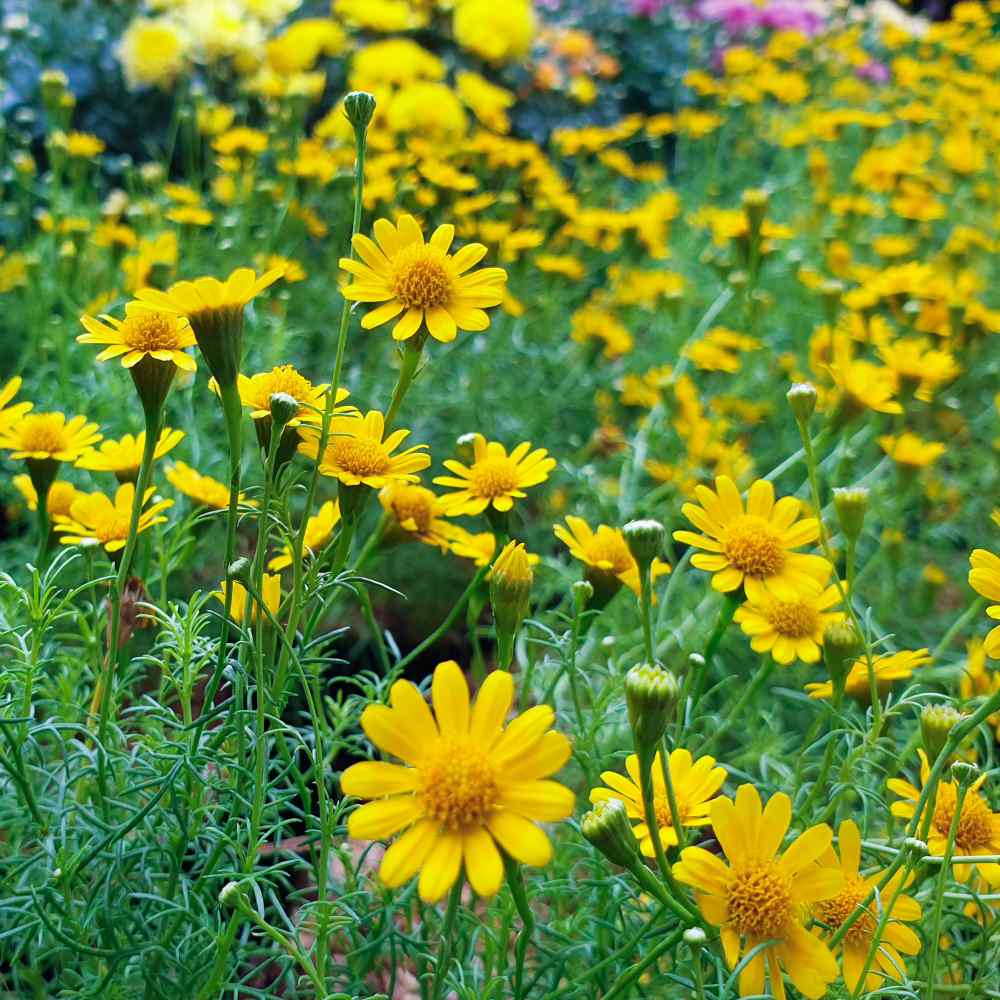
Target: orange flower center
pixel 833 912
pixel 610 547
pixel 459 785
pixel 282 379
pixel 416 504
pixel 494 477
pixel 753 546
pixel 975 823
pixel 60 498
pixel 421 280
pixel 362 455
pixel 115 527
pixel 44 432
pixel 760 900
pixel 151 331
pixel 796 619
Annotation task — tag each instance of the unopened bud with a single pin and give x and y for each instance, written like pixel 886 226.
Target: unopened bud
pixel 645 541
pixel 936 724
pixel 841 647
pixel 283 408
pixel 964 772
pixel 916 847
pixel 606 826
pixel 231 894
pixel 510 591
pixel 695 936
pixel 359 106
pixel 851 504
pixel 755 202
pixel 650 694
pixel 239 569
pixel 583 591
pixel 802 399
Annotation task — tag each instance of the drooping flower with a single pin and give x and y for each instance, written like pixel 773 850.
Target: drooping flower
pixel 48 437
pixel 790 630
pixel 417 512
pixel 495 478
pixel 888 667
pixel 319 530
pixel 856 945
pixel 911 452
pixel 423 281
pixel 144 332
pixel 57 503
pixel 468 787
pixel 760 897
pixel 984 578
pixel 124 457
pixel 358 454
pixel 478 547
pixel 753 546
pixel 95 518
pixel 201 489
pixel 978 831
pixel 696 784
pixel 242 608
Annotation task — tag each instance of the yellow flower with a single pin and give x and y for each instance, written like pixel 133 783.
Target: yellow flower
pixel 978 830
pixel 862 386
pixel 917 368
pixel 94 518
pixel 696 784
pixel 10 414
pixel 753 546
pixel 761 898
pixel 606 551
pixel 984 578
pixel 48 436
pixel 976 682
pixel 431 285
pixel 911 452
pixel 417 511
pixel 497 32
pixel 357 455
pixel 467 788
pixel 319 529
pixel 124 457
pixel 494 478
pixel 57 503
pixel 477 547
pixel 896 936
pixel 238 611
pixel 790 630
pixel 888 667
pixel 256 392
pixel 202 489
pixel 79 144
pixel 151 52
pixel 145 332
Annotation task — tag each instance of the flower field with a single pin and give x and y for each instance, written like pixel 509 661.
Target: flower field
pixel 499 500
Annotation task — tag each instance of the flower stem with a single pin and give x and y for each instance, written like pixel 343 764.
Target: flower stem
pixel 520 896
pixel 412 353
pixel 447 935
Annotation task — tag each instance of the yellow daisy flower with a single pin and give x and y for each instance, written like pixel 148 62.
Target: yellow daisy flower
pixel 358 455
pixel 478 547
pixel 93 517
pixel 49 436
pixel 145 332
pixel 319 530
pixel 203 490
pixel 433 287
pixel 124 457
pixel 468 787
pixel 238 609
pixel 896 936
pixel 753 546
pixel 8 414
pixel 494 478
pixel 984 578
pixel 977 680
pixel 888 667
pixel 256 392
pixel 761 897
pixel 978 830
pixel 911 452
pixel 57 503
pixel 203 298
pixel 606 554
pixel 416 512
pixel 790 630
pixel 861 386
pixel 696 784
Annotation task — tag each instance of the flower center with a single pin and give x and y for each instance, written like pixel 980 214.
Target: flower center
pixel 796 619
pixel 753 546
pixel 661 804
pixel 43 432
pixel 113 528
pixel 150 331
pixel 362 456
pixel 833 912
pixel 975 823
pixel 494 477
pixel 760 901
pixel 414 504
pixel 610 548
pixel 281 379
pixel 421 280
pixel 458 785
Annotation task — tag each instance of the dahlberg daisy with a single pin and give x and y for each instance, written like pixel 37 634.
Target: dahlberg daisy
pixel 888 667
pixel 244 609
pixel 203 490
pixel 984 578
pixel 319 530
pixel 8 414
pixel 790 630
pixel 124 457
pixel 414 512
pixel 95 518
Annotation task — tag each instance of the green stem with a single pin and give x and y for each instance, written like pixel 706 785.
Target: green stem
pixel 447 936
pixel 412 353
pixel 646 609
pixel 520 896
pixel 627 978
pixel 668 781
pixel 42 519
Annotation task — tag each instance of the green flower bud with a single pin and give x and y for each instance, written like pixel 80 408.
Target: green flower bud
pixel 964 772
pixel 510 591
pixel 606 826
pixel 583 591
pixel 755 202
pixel 841 647
pixel 645 541
pixel 695 936
pixel 239 569
pixel 359 106
pixel 916 847
pixel 936 724
pixel 651 695
pixel 851 504
pixel 232 894
pixel 283 408
pixel 802 399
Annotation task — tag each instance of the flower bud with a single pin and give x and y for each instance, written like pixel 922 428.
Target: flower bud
pixel 606 826
pixel 239 569
pixel 755 202
pixel 851 504
pixel 510 590
pixel 283 408
pixel 231 894
pixel 964 772
pixel 841 647
pixel 916 847
pixel 695 936
pixel 582 592
pixel 359 106
pixel 645 541
pixel 802 399
pixel 936 724
pixel 650 694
